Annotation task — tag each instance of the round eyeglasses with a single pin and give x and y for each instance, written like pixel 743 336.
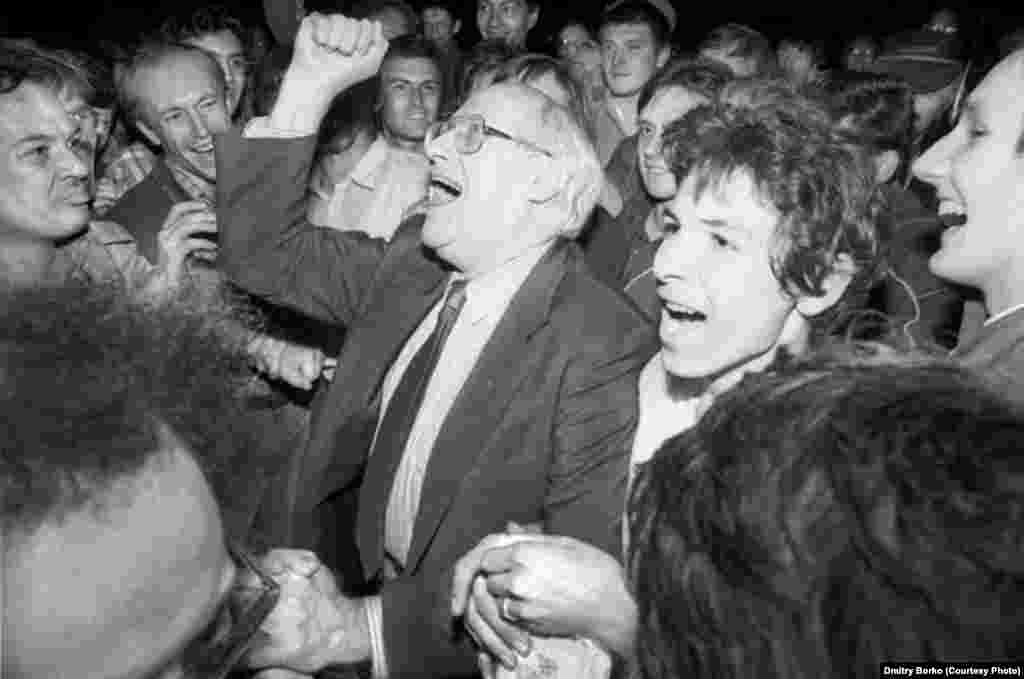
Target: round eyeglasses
pixel 469 132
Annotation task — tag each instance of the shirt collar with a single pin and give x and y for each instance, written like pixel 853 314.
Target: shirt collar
pixel 196 186
pixel 488 295
pixel 366 173
pixel 1002 314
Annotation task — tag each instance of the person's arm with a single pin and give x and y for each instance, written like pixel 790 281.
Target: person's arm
pixel 267 246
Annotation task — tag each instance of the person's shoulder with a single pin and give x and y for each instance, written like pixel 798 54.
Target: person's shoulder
pixel 587 307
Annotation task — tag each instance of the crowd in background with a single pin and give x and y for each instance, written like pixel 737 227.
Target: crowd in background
pixel 334 346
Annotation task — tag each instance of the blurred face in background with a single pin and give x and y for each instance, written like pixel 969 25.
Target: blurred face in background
pixel 667 105
pixel 410 97
pixel 631 55
pixel 508 20
pixel 227 50
pixel 439 26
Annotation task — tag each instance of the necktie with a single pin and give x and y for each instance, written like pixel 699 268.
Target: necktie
pixel 396 424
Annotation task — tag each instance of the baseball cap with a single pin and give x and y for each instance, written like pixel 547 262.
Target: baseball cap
pixel 926 60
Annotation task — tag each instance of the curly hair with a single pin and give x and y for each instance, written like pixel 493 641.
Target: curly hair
pixel 822 188
pixel 831 516
pixel 874 110
pixel 89 380
pixel 695 74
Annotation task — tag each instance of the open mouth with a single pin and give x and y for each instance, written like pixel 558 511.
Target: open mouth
pixel 683 313
pixel 951 214
pixel 442 190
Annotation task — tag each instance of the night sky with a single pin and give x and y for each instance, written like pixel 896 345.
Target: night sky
pixel 833 21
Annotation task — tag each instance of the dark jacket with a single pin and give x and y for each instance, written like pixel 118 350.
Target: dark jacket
pixel 541 431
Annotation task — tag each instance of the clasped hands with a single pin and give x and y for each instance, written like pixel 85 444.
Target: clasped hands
pixel 513 585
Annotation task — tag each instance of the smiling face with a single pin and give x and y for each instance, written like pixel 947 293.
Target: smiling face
pixel 481 205
pixel 630 55
pixel 978 173
pixel 410 96
pixel 183 107
pixel 46 156
pixel 507 20
pixel 667 105
pixel 229 53
pixel 724 312
pixel 439 27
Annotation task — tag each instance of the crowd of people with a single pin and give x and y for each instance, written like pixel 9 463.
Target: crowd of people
pixel 358 353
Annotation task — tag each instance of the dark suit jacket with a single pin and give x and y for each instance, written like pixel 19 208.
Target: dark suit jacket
pixel 540 432
pixel 996 351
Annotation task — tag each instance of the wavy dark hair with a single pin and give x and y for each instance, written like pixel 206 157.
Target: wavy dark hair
pixel 875 110
pixel 89 379
pixel 783 138
pixel 829 517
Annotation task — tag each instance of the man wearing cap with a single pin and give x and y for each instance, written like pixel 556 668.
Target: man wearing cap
pixel 634 37
pixel 928 60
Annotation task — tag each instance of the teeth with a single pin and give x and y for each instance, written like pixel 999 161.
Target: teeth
pixel 682 312
pixel 948 207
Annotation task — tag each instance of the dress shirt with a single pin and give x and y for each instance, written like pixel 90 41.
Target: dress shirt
pixel 487 297
pixel 1003 314
pixel 378 193
pixel 128 168
pixel 195 186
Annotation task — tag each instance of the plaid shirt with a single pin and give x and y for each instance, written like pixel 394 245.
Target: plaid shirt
pixel 197 188
pixel 127 169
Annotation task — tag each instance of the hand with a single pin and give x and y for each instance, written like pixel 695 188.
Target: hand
pixel 554 585
pixel 333 52
pixel 180 237
pixel 298 365
pixel 312 625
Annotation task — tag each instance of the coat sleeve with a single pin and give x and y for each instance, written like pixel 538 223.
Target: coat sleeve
pixel 268 248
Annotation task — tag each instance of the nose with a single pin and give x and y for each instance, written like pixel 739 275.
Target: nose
pixel 678 256
pixel 933 165
pixel 416 99
pixel 74 164
pixel 651 147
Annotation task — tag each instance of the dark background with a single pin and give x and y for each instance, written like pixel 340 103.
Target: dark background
pixel 83 24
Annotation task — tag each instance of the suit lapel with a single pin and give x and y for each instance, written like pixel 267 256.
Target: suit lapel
pixel 477 412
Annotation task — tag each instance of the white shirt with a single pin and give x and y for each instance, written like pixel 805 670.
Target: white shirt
pixel 487 298
pixel 377 195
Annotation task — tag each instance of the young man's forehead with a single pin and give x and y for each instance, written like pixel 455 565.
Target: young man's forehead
pixel 627 31
pixel 409 68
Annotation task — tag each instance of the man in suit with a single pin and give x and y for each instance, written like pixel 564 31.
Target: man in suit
pixel 528 411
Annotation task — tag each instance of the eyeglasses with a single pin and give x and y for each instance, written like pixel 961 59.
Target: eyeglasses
pixel 221 645
pixel 470 131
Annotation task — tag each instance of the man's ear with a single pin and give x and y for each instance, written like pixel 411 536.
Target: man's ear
pixel 835 284
pixel 148 133
pixel 663 55
pixel 886 164
pixel 456 27
pixel 548 182
pixel 532 20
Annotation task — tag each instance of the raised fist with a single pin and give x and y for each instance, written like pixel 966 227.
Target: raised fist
pixel 334 52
